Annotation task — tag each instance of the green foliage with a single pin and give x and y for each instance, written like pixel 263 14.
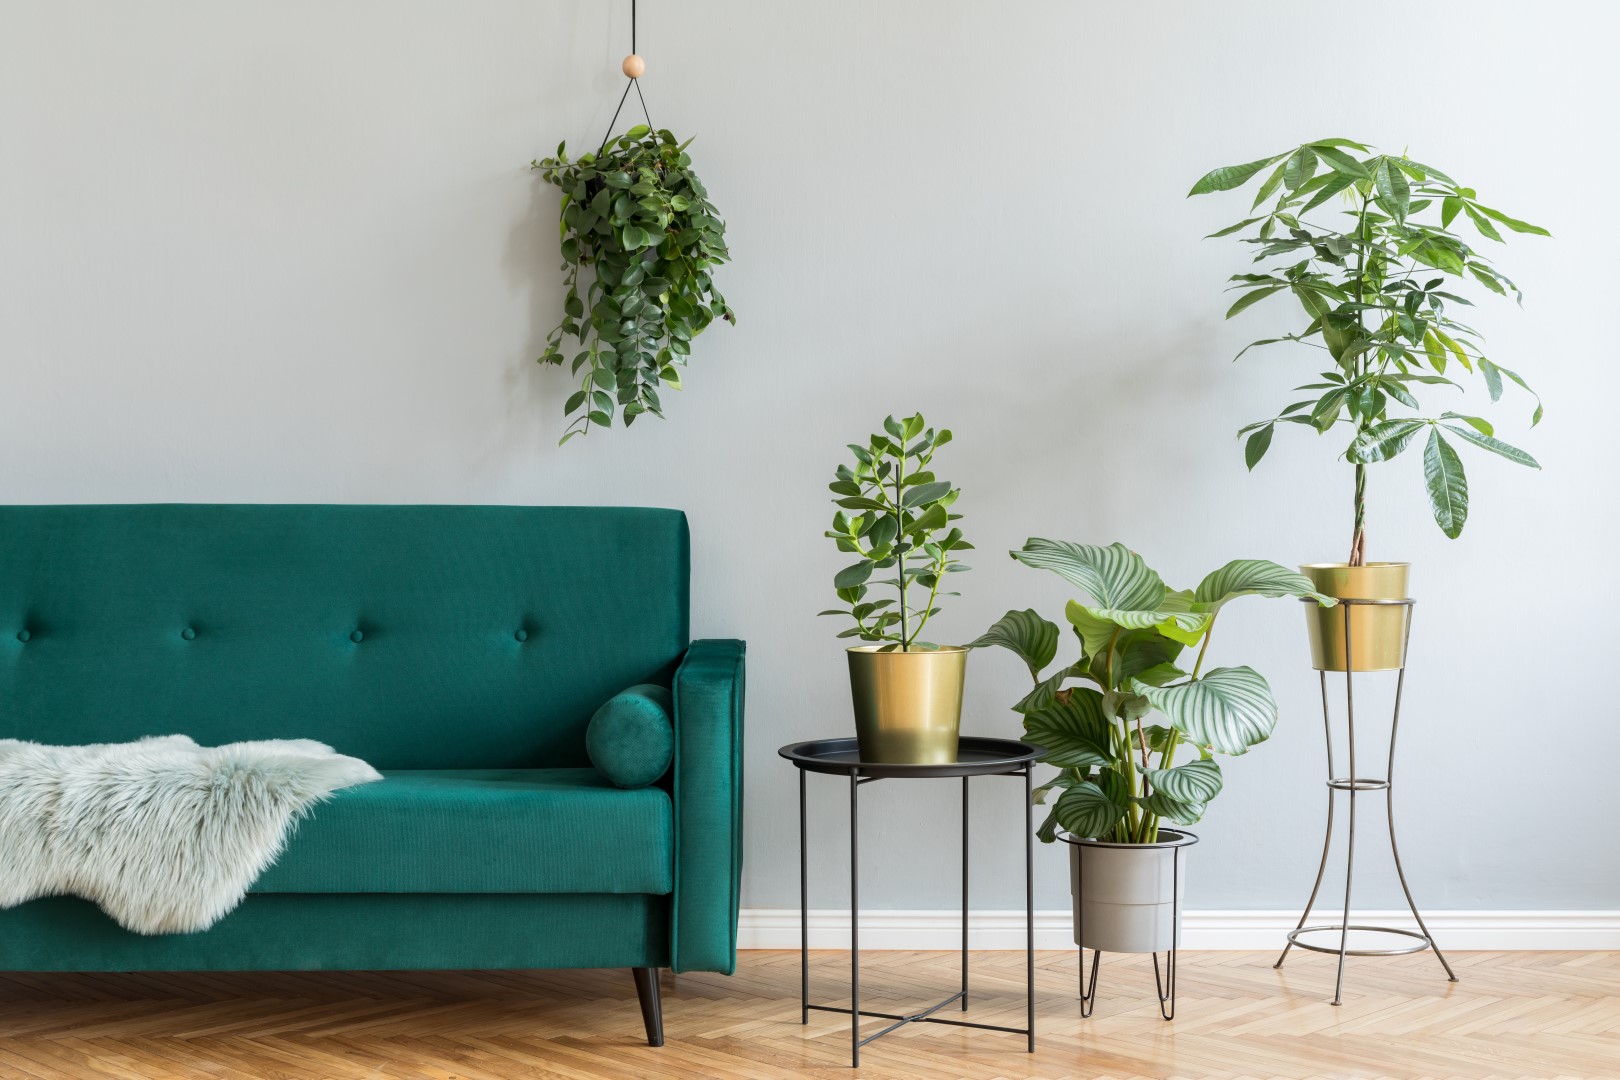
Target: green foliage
pixel 640 218
pixel 1375 289
pixel 1119 777
pixel 894 515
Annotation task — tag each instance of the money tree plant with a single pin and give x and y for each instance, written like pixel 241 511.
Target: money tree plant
pixel 1375 286
pixel 638 216
pixel 894 515
pixel 1114 720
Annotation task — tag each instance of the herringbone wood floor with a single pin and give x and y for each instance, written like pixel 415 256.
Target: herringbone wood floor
pixel 1512 1015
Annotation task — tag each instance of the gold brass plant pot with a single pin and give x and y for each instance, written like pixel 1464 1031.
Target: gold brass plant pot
pixel 1377 631
pixel 908 705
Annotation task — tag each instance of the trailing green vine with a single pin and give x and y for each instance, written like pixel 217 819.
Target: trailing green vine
pixel 640 218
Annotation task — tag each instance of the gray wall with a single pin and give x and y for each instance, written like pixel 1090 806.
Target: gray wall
pixel 286 252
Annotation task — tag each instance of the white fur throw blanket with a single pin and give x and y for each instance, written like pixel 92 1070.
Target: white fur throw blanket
pixel 167 836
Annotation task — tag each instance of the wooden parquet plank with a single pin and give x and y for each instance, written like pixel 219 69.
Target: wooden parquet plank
pixel 1536 1015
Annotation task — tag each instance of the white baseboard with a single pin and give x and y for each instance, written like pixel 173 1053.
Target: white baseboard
pixel 778 928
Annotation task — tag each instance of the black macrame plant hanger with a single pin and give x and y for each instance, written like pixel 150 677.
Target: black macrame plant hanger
pixel 633 67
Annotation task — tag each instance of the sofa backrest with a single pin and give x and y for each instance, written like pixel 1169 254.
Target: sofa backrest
pixel 411 636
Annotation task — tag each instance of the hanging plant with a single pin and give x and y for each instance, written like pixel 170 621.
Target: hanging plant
pixel 637 215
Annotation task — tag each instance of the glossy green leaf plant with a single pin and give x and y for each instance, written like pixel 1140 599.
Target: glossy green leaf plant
pixel 638 216
pixel 1362 242
pixel 894 516
pixel 1118 776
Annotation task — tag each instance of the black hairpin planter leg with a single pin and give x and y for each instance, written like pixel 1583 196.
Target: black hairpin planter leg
pixel 1166 988
pixel 1088 990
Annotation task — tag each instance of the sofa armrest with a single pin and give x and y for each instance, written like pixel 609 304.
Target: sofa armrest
pixel 708 795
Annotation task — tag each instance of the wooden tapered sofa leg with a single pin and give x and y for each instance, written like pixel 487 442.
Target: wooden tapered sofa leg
pixel 652 1009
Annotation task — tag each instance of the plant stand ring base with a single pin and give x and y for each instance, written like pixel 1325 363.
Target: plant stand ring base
pixel 1353 785
pixel 1423 941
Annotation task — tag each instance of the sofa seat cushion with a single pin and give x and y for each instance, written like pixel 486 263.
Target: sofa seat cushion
pixel 482 831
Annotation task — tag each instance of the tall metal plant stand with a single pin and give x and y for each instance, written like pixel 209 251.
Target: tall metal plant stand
pixel 975 757
pixel 1352 785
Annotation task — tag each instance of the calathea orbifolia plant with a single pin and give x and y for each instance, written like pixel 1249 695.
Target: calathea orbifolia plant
pixel 1119 775
pixel 894 515
pixel 639 217
pixel 1374 287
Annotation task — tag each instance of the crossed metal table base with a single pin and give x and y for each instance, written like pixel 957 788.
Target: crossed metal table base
pixel 976 757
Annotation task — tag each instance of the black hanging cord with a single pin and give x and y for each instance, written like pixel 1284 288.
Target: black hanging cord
pixel 634 82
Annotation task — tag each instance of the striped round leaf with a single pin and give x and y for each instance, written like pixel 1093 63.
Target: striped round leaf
pixel 1136 652
pixel 1113 576
pixel 1182 813
pixel 1025 633
pixel 1228 710
pixel 1159 674
pixel 1047 833
pixel 1084 810
pixel 1098 626
pixel 1073 730
pixel 1254 577
pixel 1194 782
pixel 1059 783
pixel 1045 691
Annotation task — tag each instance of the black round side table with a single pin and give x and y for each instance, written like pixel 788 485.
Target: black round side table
pixel 975 757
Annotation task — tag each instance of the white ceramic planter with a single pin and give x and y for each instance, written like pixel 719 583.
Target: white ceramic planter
pixel 1126 895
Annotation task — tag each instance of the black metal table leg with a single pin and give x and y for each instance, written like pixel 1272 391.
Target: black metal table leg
pixel 1029 908
pixel 804 912
pixel 964 893
pixel 854 920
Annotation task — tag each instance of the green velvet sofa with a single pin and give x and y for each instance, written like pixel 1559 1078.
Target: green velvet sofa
pixel 462 650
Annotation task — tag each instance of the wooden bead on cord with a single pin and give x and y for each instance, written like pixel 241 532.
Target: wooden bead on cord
pixel 633 66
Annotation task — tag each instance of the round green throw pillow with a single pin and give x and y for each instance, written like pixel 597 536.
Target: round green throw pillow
pixel 631 739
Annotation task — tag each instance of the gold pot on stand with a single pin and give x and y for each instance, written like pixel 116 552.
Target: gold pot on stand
pixel 1377 631
pixel 908 705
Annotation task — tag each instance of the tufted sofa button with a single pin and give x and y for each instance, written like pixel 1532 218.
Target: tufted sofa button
pixel 522 635
pixel 357 637
pixel 188 633
pixel 23 635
